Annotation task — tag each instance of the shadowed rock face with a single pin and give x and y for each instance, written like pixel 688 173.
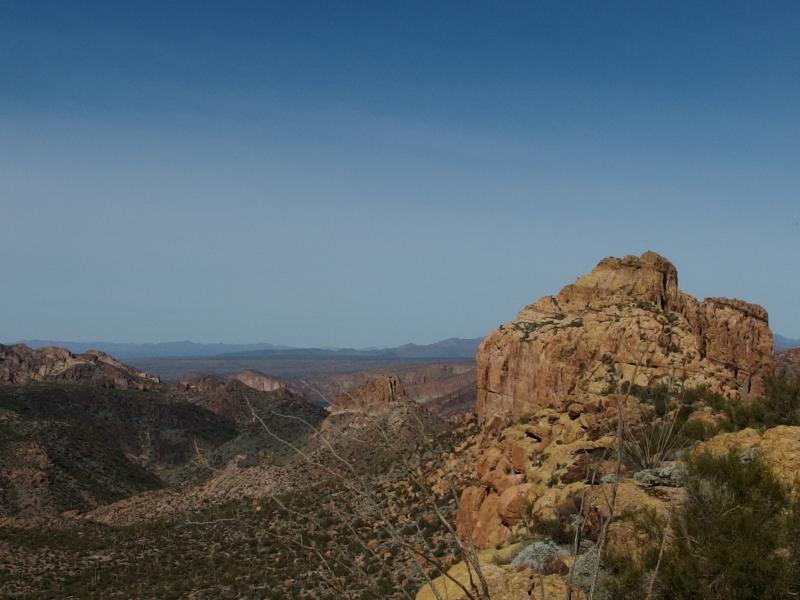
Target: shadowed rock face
pixel 626 321
pixel 20 364
pixel 788 362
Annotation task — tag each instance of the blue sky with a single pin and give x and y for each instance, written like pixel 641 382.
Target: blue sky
pixel 375 173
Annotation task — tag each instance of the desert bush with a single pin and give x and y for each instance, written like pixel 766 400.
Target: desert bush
pixel 779 406
pixel 695 430
pixel 650 444
pixel 735 537
pixel 660 395
pixel 732 538
pixel 626 577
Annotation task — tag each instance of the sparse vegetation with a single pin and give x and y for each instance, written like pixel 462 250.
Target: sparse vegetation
pixel 650 444
pixel 319 541
pixel 735 537
pixel 779 406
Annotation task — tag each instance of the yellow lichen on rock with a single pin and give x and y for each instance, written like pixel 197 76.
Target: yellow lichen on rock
pixel 504 582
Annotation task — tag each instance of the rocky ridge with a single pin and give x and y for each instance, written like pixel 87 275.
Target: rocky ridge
pixel 258 380
pixel 374 396
pixel 564 384
pixel 550 384
pixel 20 364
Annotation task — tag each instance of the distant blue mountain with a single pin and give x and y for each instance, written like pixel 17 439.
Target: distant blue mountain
pixel 449 348
pixel 154 350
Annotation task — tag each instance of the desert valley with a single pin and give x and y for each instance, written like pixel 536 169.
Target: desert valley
pixel 618 439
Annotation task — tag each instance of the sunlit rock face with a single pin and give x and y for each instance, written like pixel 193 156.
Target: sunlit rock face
pixel 550 384
pixel 625 321
pixel 20 364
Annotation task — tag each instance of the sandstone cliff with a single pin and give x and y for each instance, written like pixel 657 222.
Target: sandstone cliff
pixel 626 321
pixel 257 380
pixel 20 364
pixel 376 395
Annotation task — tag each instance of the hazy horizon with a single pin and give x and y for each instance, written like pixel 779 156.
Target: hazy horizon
pixel 377 174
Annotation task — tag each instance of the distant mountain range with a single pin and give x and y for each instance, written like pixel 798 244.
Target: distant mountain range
pixel 154 350
pixel 784 343
pixel 449 348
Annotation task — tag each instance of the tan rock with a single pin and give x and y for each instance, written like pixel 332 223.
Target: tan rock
pixel 373 396
pixel 625 321
pixel 512 502
pixel 483 524
pixel 257 380
pixel 504 582
pixel 778 447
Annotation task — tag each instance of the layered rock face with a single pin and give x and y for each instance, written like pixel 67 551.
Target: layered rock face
pixel 376 395
pixel 626 321
pixel 257 380
pixel 20 364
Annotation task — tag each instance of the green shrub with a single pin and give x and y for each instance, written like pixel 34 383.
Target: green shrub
pixel 649 444
pixel 695 430
pixel 627 579
pixel 779 406
pixel 659 396
pixel 735 536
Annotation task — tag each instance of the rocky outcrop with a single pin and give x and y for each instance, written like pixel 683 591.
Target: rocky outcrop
pixel 257 380
pixel 625 322
pixel 504 579
pixel 549 386
pixel 787 362
pixel 20 364
pixel 538 466
pixel 374 396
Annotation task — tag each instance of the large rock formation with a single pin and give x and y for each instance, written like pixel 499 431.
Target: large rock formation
pixel 626 321
pixel 20 364
pixel 258 380
pixel 376 395
pixel 549 383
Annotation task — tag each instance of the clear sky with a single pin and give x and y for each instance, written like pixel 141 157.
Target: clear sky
pixel 346 173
